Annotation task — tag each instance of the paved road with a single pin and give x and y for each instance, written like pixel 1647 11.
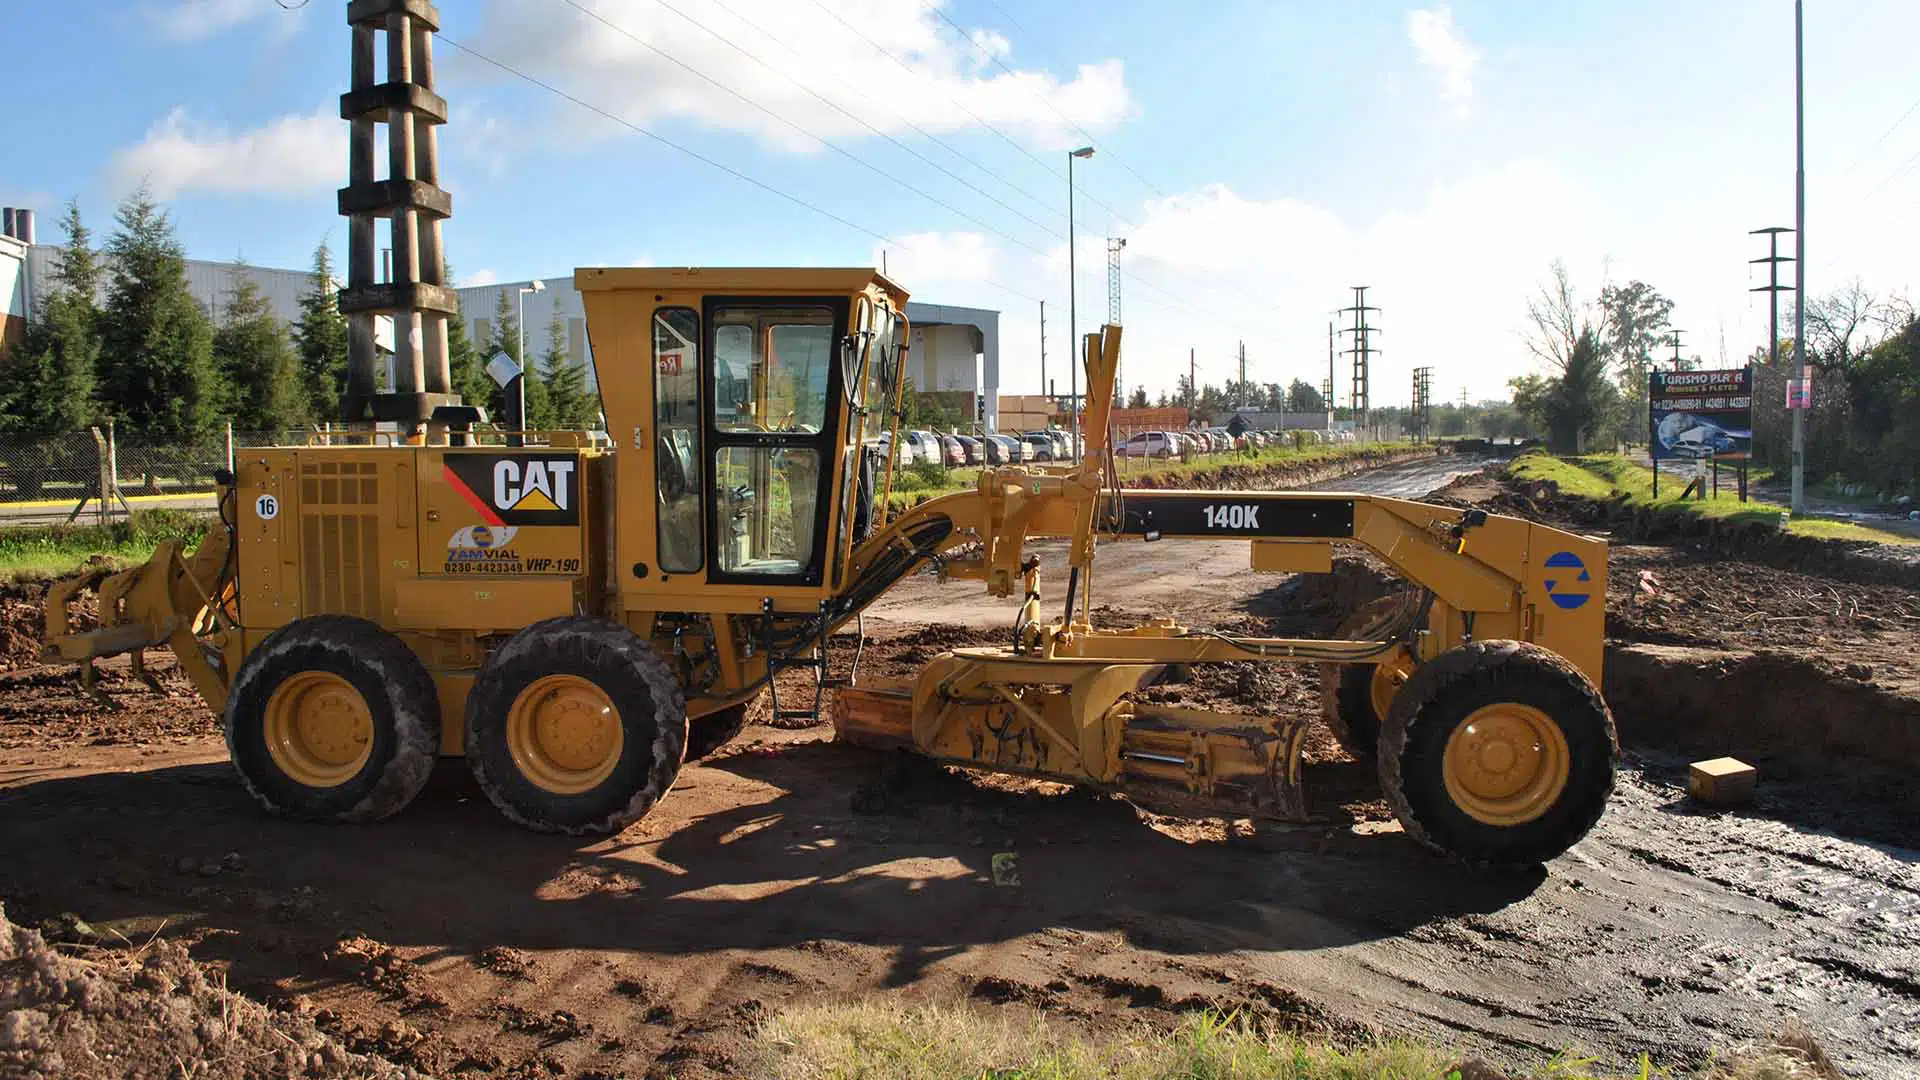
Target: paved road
pixel 48 512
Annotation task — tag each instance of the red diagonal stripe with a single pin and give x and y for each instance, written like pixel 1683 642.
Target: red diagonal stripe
pixel 479 504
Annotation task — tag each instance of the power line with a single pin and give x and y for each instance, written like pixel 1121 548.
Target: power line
pixel 997 62
pixel 694 154
pixel 842 151
pixel 837 107
pixel 1864 154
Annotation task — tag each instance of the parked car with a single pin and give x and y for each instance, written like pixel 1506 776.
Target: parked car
pixel 1018 452
pixel 905 455
pixel 1040 446
pixel 926 448
pixel 1062 443
pixel 952 454
pixel 1150 444
pixel 972 451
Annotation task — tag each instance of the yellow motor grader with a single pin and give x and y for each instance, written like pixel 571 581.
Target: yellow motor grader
pixel 578 619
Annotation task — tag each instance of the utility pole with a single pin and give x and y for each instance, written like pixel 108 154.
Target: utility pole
pixel 1192 390
pixel 1045 387
pixel 1114 244
pixel 1772 288
pixel 1797 504
pixel 1240 393
pixel 1326 388
pixel 1362 353
pixel 1675 342
pixel 1076 352
pixel 1422 402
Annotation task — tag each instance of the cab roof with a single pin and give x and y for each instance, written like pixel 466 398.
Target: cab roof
pixel 797 280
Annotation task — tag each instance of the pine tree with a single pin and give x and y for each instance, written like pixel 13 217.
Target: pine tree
pixel 258 362
pixel 320 339
pixel 572 407
pixel 156 373
pixel 466 368
pixel 506 339
pixel 47 381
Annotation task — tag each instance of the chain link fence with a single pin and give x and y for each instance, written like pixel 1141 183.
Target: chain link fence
pixel 95 475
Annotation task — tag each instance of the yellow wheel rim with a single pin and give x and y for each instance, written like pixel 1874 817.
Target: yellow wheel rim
pixel 319 729
pixel 1506 764
pixel 1390 673
pixel 564 734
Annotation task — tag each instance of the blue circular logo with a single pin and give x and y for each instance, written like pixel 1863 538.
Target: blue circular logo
pixel 483 536
pixel 1568 583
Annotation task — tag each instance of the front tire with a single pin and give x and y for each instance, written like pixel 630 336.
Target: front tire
pixel 333 719
pixel 576 726
pixel 1498 752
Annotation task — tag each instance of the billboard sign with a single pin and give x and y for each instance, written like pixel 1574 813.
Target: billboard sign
pixel 1696 415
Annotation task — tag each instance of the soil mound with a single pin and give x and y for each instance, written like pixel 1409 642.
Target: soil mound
pixel 151 1012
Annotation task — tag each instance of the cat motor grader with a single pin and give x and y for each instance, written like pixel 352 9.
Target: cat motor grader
pixel 577 619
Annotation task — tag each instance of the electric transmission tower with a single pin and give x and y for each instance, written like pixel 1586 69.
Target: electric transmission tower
pixel 1326 388
pixel 1114 244
pixel 1362 353
pixel 1422 410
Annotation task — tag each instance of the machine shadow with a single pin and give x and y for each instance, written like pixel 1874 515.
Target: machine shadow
pixel 780 860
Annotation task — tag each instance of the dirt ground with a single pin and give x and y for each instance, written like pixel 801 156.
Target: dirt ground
pixel 450 941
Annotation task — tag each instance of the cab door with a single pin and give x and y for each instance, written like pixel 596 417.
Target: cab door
pixel 774 406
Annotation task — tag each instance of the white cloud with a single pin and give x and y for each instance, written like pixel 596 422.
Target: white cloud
pixel 820 74
pixel 1444 51
pixel 937 256
pixel 290 155
pixel 195 20
pixel 1210 267
pixel 482 277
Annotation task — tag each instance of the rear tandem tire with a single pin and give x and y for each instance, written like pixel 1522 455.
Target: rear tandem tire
pixel 333 719
pixel 1499 753
pixel 575 726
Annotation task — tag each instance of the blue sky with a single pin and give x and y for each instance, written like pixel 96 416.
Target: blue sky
pixel 1257 156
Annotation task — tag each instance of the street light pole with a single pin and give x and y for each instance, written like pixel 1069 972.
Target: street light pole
pixel 520 406
pixel 1077 355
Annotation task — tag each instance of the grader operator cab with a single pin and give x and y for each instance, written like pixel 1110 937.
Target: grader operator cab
pixel 579 619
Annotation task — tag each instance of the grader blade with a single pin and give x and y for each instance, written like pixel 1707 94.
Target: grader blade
pixel 877 715
pixel 1073 722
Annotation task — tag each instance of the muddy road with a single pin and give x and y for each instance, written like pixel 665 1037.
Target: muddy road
pixel 448 939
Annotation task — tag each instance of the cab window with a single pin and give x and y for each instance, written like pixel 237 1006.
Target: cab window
pixel 770 368
pixel 676 444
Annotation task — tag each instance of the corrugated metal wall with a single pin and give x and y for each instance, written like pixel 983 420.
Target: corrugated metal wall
pixel 209 282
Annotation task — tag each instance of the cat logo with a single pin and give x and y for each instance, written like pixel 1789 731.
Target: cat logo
pixel 518 489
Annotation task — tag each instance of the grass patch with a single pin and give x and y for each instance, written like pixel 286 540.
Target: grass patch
pixel 1605 476
pixel 878 1037
pixel 913 484
pixel 52 551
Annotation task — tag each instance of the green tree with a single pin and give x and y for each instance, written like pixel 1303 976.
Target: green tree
pixel 1584 402
pixel 572 406
pixel 506 339
pixel 156 371
pixel 320 339
pixel 258 362
pixel 466 367
pixel 1636 318
pixel 1578 403
pixel 1303 396
pixel 47 381
pixel 1138 399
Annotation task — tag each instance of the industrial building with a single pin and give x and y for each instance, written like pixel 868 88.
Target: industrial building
pixel 952 348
